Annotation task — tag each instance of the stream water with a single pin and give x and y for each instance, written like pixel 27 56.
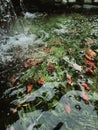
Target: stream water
pixel 56 104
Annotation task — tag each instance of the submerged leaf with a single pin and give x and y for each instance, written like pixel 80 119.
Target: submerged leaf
pixel 29 63
pixel 91 53
pixel 86 86
pixel 69 80
pixel 85 97
pixel 89 70
pixel 47 49
pixel 67 108
pixel 88 57
pixel 50 67
pixel 90 63
pixel 41 81
pixel 29 88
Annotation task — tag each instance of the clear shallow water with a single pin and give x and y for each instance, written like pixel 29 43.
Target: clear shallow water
pixel 44 108
pixel 82 115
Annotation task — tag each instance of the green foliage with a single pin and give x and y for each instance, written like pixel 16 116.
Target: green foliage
pixel 73 32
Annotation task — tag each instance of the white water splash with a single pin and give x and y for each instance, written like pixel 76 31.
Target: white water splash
pixel 17 45
pixel 29 15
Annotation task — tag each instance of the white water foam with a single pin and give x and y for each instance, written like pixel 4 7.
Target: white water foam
pixel 29 15
pixel 15 43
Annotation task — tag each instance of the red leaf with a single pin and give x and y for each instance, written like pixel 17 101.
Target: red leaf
pixel 69 80
pixel 41 81
pixel 91 53
pixel 29 88
pixel 85 97
pixel 29 63
pixel 67 108
pixel 86 86
pixel 50 67
pixel 88 57
pixel 47 49
pixel 89 70
pixel 90 63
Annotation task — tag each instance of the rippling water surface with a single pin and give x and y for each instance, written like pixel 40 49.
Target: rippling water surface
pixel 56 104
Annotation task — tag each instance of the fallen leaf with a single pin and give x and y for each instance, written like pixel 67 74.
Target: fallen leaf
pixel 47 49
pixel 88 57
pixel 89 70
pixel 67 108
pixel 69 78
pixel 86 86
pixel 41 81
pixel 91 53
pixel 50 67
pixel 29 63
pixel 85 97
pixel 90 63
pixel 36 62
pixel 29 88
